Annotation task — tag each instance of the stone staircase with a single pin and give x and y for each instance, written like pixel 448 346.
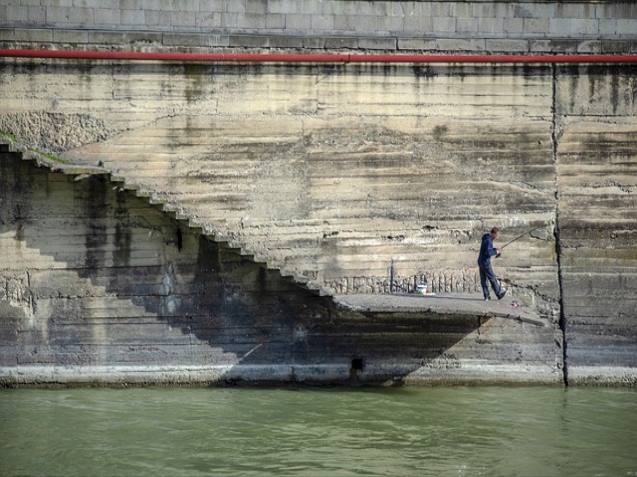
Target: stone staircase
pixel 212 230
pixel 335 203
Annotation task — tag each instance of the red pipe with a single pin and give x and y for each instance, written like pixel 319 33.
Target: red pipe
pixel 313 57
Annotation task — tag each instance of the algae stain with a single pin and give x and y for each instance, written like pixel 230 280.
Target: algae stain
pixel 614 91
pixel 439 132
pixel 195 75
pixel 123 236
pixel 96 202
pixel 49 156
pixel 7 136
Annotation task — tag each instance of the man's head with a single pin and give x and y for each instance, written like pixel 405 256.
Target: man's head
pixel 495 232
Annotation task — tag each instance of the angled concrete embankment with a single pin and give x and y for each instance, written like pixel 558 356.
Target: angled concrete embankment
pixel 98 287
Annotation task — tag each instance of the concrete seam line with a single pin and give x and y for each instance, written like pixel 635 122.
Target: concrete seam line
pixel 312 57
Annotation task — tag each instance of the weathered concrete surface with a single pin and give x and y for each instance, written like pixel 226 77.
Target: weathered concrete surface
pixel 597 170
pixel 333 173
pixel 471 305
pixel 585 26
pixel 96 286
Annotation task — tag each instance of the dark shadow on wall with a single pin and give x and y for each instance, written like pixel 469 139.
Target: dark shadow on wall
pixel 112 280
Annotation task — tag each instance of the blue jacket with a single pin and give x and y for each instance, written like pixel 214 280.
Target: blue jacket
pixel 487 250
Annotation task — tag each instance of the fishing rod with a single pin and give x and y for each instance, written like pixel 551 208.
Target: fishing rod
pixel 520 236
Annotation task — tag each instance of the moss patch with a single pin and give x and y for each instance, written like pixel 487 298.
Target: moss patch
pixel 49 156
pixel 7 136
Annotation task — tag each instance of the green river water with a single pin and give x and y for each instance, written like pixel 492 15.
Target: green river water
pixel 454 431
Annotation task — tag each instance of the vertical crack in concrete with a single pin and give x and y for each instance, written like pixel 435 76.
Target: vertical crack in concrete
pixel 556 232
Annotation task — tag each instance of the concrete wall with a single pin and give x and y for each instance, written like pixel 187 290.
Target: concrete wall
pixel 596 126
pixel 331 172
pixel 492 26
pixel 97 286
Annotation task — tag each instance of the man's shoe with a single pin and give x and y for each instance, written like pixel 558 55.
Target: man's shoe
pixel 501 295
pixel 486 298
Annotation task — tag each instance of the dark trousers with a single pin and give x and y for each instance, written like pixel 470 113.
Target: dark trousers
pixel 486 273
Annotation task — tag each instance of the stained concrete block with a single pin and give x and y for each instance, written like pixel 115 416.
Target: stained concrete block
pixel 182 18
pixel 627 27
pixel 250 41
pixel 70 36
pixel 416 44
pixel 463 10
pixel 287 41
pixel 114 4
pixel 616 10
pixel 417 24
pixel 132 17
pixel 322 22
pixel 25 14
pixel 575 10
pixel 76 16
pixel 186 39
pixel 211 5
pixel 589 46
pixel 341 42
pixel 615 46
pixel 230 20
pixel 534 10
pixel 570 27
pixel 377 43
pixel 298 22
pixel 539 26
pixel 106 37
pixel 503 45
pixel 558 46
pixel 159 18
pixel 490 25
pixel 512 25
pixel 275 21
pixel 314 42
pixel 238 6
pixel 360 23
pixel 444 24
pixel 285 7
pixel 251 21
pixel 318 8
pixel 453 44
pixel 107 16
pixel 392 24
pixel 7 34
pixel 33 34
pixel 257 6
pixel 131 4
pixel 466 25
pixel 22 3
pixel 187 5
pixel 441 9
pixel 607 27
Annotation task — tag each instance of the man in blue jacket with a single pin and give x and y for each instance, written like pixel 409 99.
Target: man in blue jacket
pixel 487 250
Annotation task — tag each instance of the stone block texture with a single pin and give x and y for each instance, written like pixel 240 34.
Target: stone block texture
pixel 522 21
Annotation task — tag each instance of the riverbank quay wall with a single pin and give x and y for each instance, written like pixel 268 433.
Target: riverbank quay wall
pixel 356 178
pixel 100 287
pixel 339 174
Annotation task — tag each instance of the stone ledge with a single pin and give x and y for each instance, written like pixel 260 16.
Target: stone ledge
pixel 467 372
pixel 167 41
